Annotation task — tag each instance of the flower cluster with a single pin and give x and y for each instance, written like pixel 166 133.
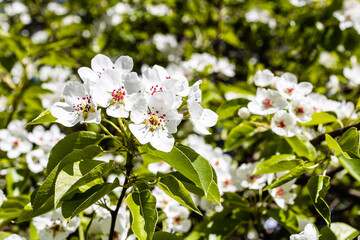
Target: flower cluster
pixel 290 103
pixel 152 101
pixel 16 140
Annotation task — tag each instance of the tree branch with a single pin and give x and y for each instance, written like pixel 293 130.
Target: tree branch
pixel 335 133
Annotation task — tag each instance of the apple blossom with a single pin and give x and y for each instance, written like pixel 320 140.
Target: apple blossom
pixel 267 101
pixel 283 124
pixel 288 86
pixel 308 231
pixel 155 120
pixel 201 118
pixel 263 78
pixel 78 106
pixel 177 219
pixel 301 109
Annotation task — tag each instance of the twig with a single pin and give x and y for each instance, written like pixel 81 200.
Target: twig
pixel 335 133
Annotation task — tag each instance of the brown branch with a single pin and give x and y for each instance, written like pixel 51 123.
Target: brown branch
pixel 335 133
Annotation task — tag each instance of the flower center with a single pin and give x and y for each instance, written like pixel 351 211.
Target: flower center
pixel 16 143
pixel 56 227
pixel 267 103
pixel 155 89
pixel 155 121
pixel 280 192
pixel 281 124
pixel 227 182
pixel 118 96
pixel 177 220
pixel 254 178
pixel 84 105
pixel 290 90
pixel 299 110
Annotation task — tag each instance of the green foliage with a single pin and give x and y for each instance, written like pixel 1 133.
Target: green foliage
pixel 318 186
pixel 44 117
pixel 278 163
pixel 302 147
pixel 144 214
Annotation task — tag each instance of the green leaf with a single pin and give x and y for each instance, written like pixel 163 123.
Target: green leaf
pixel 327 234
pixel 44 117
pixel 277 163
pixel 175 189
pixel 352 165
pixel 77 174
pixel 27 213
pixel 349 142
pixel 77 140
pixel 332 144
pixel 47 189
pixel 302 147
pixel 230 108
pixel 285 218
pixel 294 173
pixel 81 201
pixel 236 200
pixel 237 134
pixel 343 231
pixel 318 186
pixel 144 215
pixel 188 163
pixel 165 236
pixel 320 118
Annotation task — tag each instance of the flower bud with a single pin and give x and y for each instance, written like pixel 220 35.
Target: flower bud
pixel 244 113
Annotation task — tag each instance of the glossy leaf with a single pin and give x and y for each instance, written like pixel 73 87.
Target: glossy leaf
pixel 77 140
pixel 302 147
pixel 320 118
pixel 286 218
pixel 237 133
pixel 176 190
pixel 277 163
pixel 352 165
pixel 144 215
pixel 343 231
pixel 44 117
pixel 349 142
pixel 165 236
pixel 318 186
pixel 82 201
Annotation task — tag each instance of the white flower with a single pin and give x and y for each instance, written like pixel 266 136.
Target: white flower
pixel 244 113
pixel 349 15
pixel 177 219
pixel 155 120
pixel 15 237
pixel 209 207
pixel 115 13
pixel 157 79
pixel 353 73
pixel 300 3
pixel 260 15
pixel 39 37
pixel 122 224
pixel 301 109
pixel 245 179
pixel 45 139
pixel 56 8
pixel 100 63
pixel 13 139
pixel 267 101
pixel 37 160
pixel 263 78
pixel 159 10
pixel 308 231
pixel 201 118
pixel 2 197
pixel 333 85
pixel 199 62
pixel 163 201
pixel 224 66
pixel 78 106
pixel 161 166
pixel 283 124
pixel 288 87
pixel 328 60
pixel 3 103
pixel 116 92
pixel 283 195
pixel 70 19
pixel 165 43
pixel 53 225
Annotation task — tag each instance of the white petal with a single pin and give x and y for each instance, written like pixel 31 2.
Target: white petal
pixel 73 91
pixel 208 118
pixel 117 111
pixel 162 141
pixel 86 74
pixel 141 132
pixel 305 88
pixel 101 62
pixel 132 83
pixel 64 114
pixel 124 63
pixel 100 96
pixel 289 77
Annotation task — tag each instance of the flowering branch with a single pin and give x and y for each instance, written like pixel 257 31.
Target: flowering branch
pixel 335 133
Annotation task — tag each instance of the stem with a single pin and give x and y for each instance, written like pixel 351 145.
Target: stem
pixel 123 128
pixel 114 126
pixel 81 229
pixel 335 133
pixel 129 158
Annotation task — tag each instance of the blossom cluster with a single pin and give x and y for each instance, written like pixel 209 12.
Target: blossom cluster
pixel 16 140
pixel 152 101
pixel 290 103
